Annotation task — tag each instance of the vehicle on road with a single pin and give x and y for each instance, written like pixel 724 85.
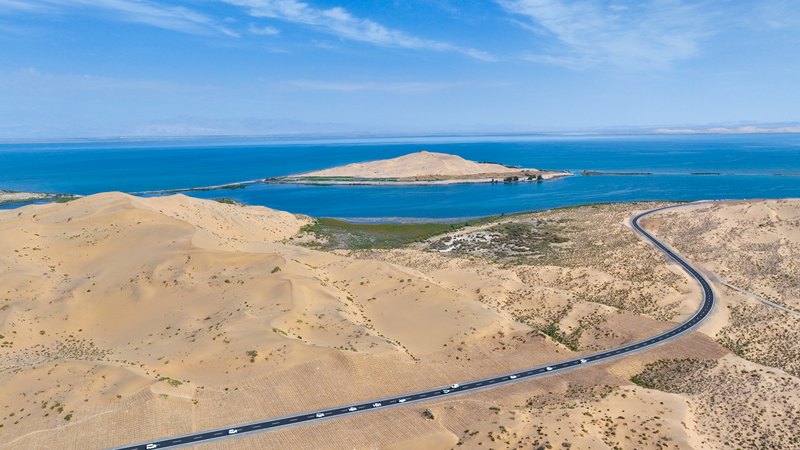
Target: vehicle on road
pixel 454 386
pixel 402 400
pixel 318 415
pixel 233 431
pixel 706 308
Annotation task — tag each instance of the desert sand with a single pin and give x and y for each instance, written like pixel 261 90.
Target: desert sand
pixel 418 164
pixel 421 167
pixel 124 319
pixel 754 246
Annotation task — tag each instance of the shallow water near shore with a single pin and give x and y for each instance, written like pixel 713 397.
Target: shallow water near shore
pixel 743 166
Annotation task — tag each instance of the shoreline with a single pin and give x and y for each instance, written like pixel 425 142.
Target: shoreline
pixel 385 182
pixel 12 199
pixel 235 185
pixel 8 197
pixel 408 220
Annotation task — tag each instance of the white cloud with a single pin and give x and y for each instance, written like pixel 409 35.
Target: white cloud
pixel 647 34
pixel 268 31
pixel 478 54
pixel 31 83
pixel 174 18
pixel 324 44
pixel 340 22
pixel 9 5
pixel 775 15
pixel 344 86
pixel 336 21
pixel 407 86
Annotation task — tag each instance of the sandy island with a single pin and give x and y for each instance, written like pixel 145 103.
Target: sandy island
pixel 124 319
pixel 420 168
pixel 9 197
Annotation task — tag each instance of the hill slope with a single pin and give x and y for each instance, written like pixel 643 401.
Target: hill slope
pixel 418 164
pixel 123 319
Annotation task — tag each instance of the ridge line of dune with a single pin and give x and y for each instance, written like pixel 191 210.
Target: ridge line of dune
pixel 417 164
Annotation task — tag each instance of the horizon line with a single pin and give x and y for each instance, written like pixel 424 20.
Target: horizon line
pixel 648 131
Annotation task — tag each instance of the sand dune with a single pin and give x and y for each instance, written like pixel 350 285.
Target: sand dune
pixel 418 164
pixel 753 245
pixel 148 317
pixel 110 293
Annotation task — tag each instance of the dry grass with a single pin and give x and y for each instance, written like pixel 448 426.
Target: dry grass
pixel 737 405
pixel 242 341
pixel 754 246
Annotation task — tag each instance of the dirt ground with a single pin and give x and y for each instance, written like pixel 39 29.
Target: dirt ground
pixel 154 317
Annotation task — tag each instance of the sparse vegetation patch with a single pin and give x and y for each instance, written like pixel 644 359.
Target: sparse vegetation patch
pixel 228 201
pixel 172 382
pixel 675 375
pixel 340 234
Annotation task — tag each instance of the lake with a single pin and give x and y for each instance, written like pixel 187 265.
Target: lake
pixel 744 166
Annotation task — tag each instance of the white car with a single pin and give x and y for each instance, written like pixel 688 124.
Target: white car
pixel 454 386
pixel 549 368
pixel 376 405
pixel 320 415
pixel 583 361
pixel 233 431
pixel 352 408
pixel 512 376
pixel 446 391
pixel 402 400
pixel 151 446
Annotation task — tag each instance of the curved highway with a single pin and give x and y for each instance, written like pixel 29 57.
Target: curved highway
pixel 323 414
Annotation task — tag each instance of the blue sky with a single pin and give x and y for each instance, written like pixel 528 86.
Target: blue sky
pixel 97 65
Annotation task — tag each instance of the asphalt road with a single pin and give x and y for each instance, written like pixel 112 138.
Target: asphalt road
pixel 328 413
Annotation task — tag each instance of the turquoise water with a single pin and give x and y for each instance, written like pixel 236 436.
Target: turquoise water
pixel 747 165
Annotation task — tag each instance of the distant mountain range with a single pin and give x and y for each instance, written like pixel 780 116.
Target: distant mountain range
pixel 198 126
pixel 188 126
pixel 181 126
pixel 735 128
